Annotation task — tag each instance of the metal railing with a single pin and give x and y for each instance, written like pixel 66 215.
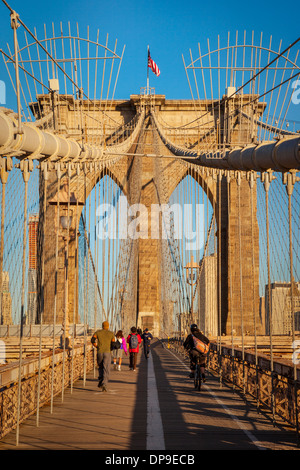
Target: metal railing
pixel 273 389
pixel 39 385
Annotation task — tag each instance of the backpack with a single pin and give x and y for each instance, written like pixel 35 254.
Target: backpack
pixel 200 346
pixel 134 342
pixel 116 344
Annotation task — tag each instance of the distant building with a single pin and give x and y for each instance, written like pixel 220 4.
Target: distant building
pixel 5 318
pixel 281 307
pixel 32 269
pixel 262 313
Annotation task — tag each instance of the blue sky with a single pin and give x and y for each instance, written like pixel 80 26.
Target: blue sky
pixel 170 28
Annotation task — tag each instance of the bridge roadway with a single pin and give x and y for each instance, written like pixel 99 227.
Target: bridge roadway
pixel 154 408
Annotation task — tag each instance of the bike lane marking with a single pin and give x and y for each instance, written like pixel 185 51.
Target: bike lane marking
pixel 155 432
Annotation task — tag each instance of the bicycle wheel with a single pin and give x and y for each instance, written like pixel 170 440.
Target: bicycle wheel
pixel 197 378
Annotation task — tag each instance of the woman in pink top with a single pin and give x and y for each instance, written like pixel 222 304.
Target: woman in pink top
pixel 118 353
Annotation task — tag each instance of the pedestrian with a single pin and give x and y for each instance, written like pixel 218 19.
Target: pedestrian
pixel 134 340
pixel 147 337
pixel 118 353
pixel 102 340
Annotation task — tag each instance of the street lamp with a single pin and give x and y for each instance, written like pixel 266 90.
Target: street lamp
pixel 122 293
pixel 67 235
pixel 65 202
pixel 192 269
pixel 66 221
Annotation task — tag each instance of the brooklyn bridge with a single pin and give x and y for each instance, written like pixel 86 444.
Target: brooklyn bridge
pixel 154 213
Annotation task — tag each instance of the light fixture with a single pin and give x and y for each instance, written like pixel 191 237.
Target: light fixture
pixel 66 221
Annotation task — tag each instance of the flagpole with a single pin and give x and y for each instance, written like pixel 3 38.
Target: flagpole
pixel 147 71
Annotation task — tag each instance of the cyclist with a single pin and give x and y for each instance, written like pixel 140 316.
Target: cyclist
pixel 193 353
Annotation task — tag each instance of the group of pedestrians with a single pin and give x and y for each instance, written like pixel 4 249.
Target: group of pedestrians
pixel 110 345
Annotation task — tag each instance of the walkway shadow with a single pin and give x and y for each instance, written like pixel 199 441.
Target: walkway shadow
pixel 196 420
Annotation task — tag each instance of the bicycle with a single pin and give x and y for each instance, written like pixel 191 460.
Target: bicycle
pixel 197 375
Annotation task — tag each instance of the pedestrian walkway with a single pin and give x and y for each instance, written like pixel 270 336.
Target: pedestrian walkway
pixel 154 408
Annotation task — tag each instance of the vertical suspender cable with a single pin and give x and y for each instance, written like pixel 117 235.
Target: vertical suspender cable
pixel 58 170
pixel 229 261
pixel 239 176
pixel 267 178
pixel 103 238
pixel 44 171
pixel 289 188
pixel 84 282
pixel 77 172
pixel 203 267
pixel 110 197
pixel 252 182
pixel 14 24
pixel 66 284
pixel 207 312
pixel 88 238
pixel 96 273
pixel 26 175
pixel 4 175
pixel 220 266
pixel 191 226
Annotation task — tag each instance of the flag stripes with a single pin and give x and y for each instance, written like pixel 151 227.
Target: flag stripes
pixel 153 66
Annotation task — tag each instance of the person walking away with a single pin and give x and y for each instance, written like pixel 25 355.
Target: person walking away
pixel 134 340
pixel 118 353
pixel 190 345
pixel 147 337
pixel 102 340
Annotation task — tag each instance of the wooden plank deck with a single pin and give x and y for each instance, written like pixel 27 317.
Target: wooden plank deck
pixel 120 420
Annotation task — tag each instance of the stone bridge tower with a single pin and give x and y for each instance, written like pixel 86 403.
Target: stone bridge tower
pixel 136 176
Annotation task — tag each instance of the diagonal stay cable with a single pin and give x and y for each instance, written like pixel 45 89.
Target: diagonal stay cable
pixel 93 264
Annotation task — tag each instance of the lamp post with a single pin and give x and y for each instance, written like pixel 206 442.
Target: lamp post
pixel 122 293
pixel 192 269
pixel 65 203
pixel 67 236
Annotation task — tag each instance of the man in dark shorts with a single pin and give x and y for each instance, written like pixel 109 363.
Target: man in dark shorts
pixel 146 337
pixel 193 353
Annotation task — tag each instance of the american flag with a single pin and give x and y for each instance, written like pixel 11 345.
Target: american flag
pixel 153 65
